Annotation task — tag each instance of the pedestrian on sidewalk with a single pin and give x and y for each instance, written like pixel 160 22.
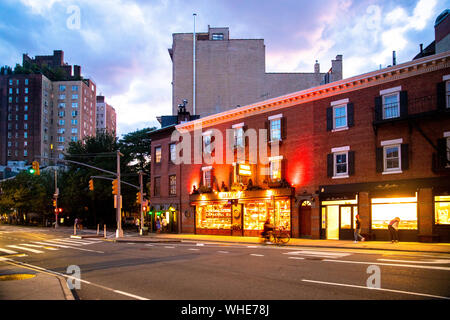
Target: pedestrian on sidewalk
pixel 358 230
pixel 158 226
pixel 164 225
pixel 137 224
pixel 393 229
pixel 76 223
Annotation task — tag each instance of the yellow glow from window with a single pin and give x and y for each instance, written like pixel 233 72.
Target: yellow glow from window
pixel 394 200
pixel 442 210
pixel 382 214
pixel 442 198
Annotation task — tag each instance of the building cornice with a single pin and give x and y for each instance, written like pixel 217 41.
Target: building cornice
pixel 401 71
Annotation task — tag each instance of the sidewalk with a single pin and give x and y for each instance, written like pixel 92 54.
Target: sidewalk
pixel 18 283
pixel 343 244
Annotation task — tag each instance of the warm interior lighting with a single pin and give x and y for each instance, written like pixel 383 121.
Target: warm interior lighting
pixel 386 209
pixel 442 210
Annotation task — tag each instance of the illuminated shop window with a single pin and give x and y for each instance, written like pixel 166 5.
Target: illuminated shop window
pixel 213 216
pixel 256 213
pixel 275 168
pixel 442 210
pixel 386 209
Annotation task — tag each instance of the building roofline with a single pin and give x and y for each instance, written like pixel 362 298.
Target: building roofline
pixel 368 79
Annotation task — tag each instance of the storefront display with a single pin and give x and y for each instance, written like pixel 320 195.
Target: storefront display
pixel 256 213
pixel 386 209
pixel 214 216
pixel 442 210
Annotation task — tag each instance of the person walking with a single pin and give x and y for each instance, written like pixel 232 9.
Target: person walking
pixel 393 229
pixel 137 224
pixel 164 225
pixel 357 231
pixel 158 225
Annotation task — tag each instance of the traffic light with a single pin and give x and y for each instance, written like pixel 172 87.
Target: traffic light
pixel 138 197
pixel 115 187
pixel 54 203
pixel 144 209
pixel 91 185
pixel 35 169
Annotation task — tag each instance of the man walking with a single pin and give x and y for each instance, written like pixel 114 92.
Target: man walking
pixel 357 234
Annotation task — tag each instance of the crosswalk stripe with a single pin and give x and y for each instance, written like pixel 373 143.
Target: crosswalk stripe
pixel 8 251
pixel 319 253
pixel 77 241
pixel 59 241
pixel 37 246
pixel 52 244
pixel 26 249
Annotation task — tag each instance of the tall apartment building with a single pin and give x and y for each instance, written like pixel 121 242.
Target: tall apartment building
pixel 74 110
pixel 232 72
pixel 39 117
pixel 106 116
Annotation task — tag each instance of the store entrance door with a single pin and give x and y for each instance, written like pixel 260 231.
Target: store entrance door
pixel 333 222
pixel 305 219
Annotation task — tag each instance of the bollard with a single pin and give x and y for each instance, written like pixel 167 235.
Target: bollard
pixel 74 229
pixel 98 228
pixel 104 230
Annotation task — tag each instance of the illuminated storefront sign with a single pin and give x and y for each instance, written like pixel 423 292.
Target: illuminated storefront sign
pixel 244 170
pixel 386 209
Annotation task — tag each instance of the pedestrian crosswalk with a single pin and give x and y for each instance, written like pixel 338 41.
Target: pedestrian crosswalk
pixel 38 247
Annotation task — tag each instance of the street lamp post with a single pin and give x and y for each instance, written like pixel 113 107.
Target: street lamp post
pixel 119 231
pixel 141 196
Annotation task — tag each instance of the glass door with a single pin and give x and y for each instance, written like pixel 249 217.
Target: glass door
pixel 333 222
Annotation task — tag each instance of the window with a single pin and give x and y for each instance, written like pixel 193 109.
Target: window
pixel 25 99
pixel 74 96
pixel 25 117
pixel 26 82
pixel 275 129
pixel 217 36
pixel 172 185
pixel 157 186
pixel 340 117
pixel 173 152
pixel 25 126
pixel 10 90
pixel 239 137
pixel 386 209
pixel 340 164
pixel 158 154
pixel 74 88
pixel 74 122
pixel 74 104
pixel 10 99
pixel 207 176
pixel 74 113
pixel 207 142
pixel 61 122
pixel 10 82
pixel 25 108
pixel 391 106
pixel 62 105
pixel 62 97
pixel 25 143
pixel 25 153
pixel 61 113
pixel 61 130
pixel 447 94
pixel 73 139
pixel 391 156
pixel 60 139
pixel 275 168
pixel 442 210
pixel 25 135
pixel 62 88
pixel 74 130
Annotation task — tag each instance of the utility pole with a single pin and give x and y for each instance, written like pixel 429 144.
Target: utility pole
pixel 193 68
pixel 141 200
pixel 119 231
pixel 56 199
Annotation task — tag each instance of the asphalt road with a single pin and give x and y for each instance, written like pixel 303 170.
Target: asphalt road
pixel 219 271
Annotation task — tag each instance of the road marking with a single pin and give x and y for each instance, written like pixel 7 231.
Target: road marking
pixel 169 247
pixel 26 249
pixel 297 258
pixel 8 251
pixel 223 251
pixel 130 295
pixel 51 244
pixel 71 277
pixel 63 242
pixel 325 254
pixel 200 244
pixel 76 241
pixel 252 246
pixel 436 261
pixel 256 255
pixel 380 289
pixel 391 264
pixel 149 245
pixel 37 246
pixel 194 249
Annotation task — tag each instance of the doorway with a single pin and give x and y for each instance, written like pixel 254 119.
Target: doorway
pixel 332 222
pixel 305 219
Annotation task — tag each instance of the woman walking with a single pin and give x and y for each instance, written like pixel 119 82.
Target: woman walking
pixel 393 229
pixel 358 230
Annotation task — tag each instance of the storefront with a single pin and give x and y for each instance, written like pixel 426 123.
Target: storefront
pixel 167 212
pixel 338 215
pixel 242 213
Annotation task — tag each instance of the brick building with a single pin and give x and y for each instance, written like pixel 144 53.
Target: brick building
pixel 40 117
pixel 376 144
pixel 232 72
pixel 106 116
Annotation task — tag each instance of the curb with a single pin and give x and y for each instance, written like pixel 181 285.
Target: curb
pixel 307 245
pixel 65 289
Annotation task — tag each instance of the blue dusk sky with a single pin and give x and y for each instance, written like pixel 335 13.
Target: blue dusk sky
pixel 122 44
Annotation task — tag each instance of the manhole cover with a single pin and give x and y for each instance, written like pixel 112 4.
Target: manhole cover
pixel 21 276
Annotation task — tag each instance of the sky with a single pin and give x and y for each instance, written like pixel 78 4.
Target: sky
pixel 122 45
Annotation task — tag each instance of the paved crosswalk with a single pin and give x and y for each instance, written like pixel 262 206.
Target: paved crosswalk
pixel 38 247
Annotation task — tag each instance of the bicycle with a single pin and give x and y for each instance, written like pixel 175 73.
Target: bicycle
pixel 278 236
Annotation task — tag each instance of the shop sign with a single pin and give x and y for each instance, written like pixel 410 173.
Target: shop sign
pixel 244 170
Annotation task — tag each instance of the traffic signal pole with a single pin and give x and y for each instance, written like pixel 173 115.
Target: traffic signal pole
pixel 56 200
pixel 141 201
pixel 119 231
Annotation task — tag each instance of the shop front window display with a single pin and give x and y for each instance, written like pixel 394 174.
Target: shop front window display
pixel 256 213
pixel 442 210
pixel 214 216
pixel 386 209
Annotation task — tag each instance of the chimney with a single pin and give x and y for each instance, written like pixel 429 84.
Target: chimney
pixel 394 59
pixel 76 71
pixel 317 67
pixel 421 48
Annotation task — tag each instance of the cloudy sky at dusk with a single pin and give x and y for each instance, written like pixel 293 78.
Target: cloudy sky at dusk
pixel 122 44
